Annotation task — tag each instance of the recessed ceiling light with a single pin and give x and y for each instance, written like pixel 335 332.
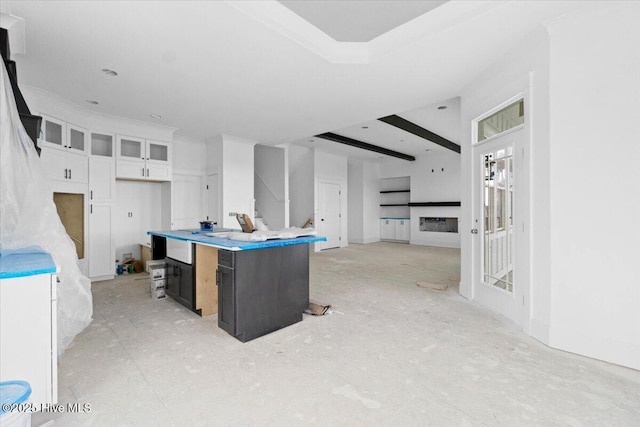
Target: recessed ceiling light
pixel 402 140
pixel 156 116
pixel 428 149
pixel 109 72
pixel 91 101
pixel 442 107
pixel 365 127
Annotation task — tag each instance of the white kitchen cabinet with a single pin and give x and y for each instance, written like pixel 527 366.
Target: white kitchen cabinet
pixel 387 229
pixel 102 179
pixel 102 254
pixel 53 133
pixel 77 140
pixel 64 150
pixel 143 159
pixel 397 229
pixel 403 230
pixel 102 197
pixel 102 145
pixel 64 166
pixel 59 135
pixel 28 326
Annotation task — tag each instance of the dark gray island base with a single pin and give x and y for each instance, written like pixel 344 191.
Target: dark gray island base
pixel 261 291
pixel 256 289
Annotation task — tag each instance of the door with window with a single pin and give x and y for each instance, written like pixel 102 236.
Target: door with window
pixel 500 204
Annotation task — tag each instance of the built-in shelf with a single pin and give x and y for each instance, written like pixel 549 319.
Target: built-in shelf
pixel 415 204
pixel 395 191
pixel 394 204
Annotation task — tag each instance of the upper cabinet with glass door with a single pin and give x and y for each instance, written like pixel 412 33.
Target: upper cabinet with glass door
pixel 60 135
pixel 142 159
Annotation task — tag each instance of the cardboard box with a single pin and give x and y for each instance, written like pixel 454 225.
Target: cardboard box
pixel 158 272
pixel 159 284
pixel 158 293
pixel 154 263
pixel 145 254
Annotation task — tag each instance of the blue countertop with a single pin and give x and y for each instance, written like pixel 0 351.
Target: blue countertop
pixel 200 237
pixel 25 262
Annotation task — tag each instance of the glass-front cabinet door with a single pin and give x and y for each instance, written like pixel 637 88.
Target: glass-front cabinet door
pixel 158 152
pixel 131 148
pixel 77 139
pixel 53 133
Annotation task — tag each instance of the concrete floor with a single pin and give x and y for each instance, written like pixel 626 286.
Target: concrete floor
pixel 390 353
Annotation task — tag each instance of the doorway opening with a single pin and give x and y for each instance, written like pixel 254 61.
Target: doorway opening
pixel 70 207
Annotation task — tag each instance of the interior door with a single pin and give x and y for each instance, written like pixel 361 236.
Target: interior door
pixel 500 247
pixel 213 199
pixel 329 214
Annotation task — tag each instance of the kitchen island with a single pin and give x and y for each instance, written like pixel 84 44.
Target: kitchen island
pixel 256 287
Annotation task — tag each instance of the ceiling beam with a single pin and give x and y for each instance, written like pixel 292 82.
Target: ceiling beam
pixel 363 145
pixel 413 128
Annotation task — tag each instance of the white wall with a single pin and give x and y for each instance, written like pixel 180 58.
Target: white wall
pixel 270 182
pixel 364 202
pixel 583 83
pixel 427 186
pixel 233 159
pixel 371 202
pixel 237 179
pixel 595 184
pixel 144 201
pixel 188 194
pixel 332 168
pixel 301 185
pixel 355 184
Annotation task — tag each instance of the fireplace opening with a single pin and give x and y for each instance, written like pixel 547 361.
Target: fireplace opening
pixel 442 225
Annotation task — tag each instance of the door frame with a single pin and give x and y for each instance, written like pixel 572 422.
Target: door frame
pixel 521 212
pixel 208 194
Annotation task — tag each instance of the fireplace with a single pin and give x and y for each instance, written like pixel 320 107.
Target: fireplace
pixel 442 225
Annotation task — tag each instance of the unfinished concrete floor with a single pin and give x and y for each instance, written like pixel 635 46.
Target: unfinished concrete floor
pixel 391 353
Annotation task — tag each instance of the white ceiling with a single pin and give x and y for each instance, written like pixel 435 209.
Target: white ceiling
pixel 258 71
pixel 359 21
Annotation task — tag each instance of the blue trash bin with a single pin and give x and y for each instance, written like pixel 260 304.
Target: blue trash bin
pixel 15 410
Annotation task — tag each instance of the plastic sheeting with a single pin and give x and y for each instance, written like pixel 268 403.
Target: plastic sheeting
pixel 28 217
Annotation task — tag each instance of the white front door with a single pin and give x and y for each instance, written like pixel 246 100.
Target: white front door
pixel 213 199
pixel 500 276
pixel 329 214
